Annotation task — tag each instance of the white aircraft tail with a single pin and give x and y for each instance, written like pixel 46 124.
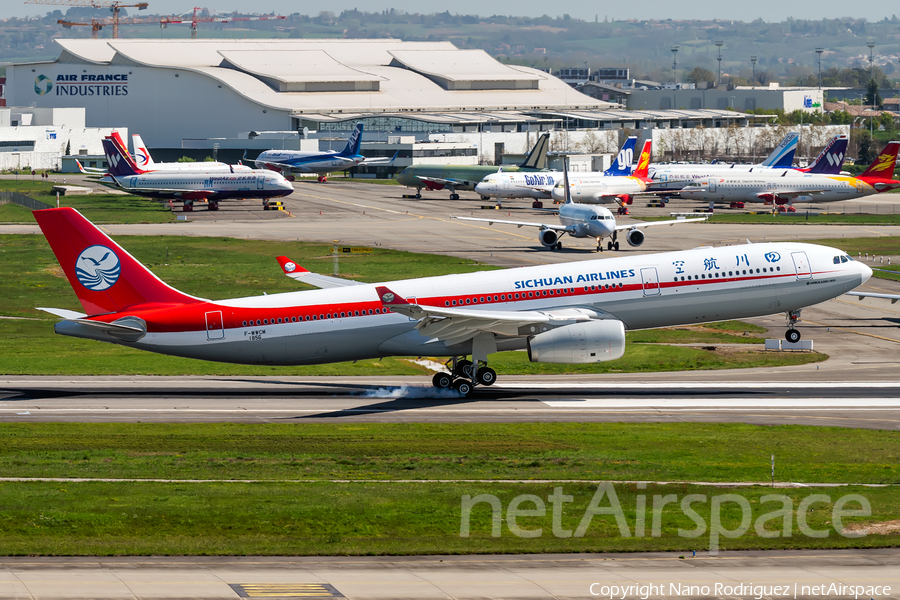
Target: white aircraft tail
pixel 141 154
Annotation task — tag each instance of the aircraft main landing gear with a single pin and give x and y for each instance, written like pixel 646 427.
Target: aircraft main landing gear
pixel 454 196
pixel 460 377
pixel 792 335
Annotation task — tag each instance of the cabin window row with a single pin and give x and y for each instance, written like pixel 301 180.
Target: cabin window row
pixel 351 313
pixel 507 297
pixel 730 274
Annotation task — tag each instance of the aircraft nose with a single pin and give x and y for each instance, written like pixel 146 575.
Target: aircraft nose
pixel 558 193
pixel 482 187
pixel 865 272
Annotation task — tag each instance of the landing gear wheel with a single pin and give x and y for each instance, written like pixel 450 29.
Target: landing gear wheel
pixel 188 206
pixel 418 195
pixel 792 335
pixel 213 205
pixel 485 197
pixel 599 247
pixel 616 246
pixel 486 376
pixel 463 387
pixel 442 381
pixel 464 369
pixel 454 196
pixel 559 245
pixel 609 245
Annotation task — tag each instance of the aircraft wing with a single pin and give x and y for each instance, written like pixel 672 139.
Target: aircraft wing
pixel 298 273
pixel 861 295
pixel 652 223
pixel 566 228
pixel 445 181
pixel 457 325
pixel 89 170
pixel 380 160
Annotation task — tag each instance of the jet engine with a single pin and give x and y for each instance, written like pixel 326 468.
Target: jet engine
pixel 625 199
pixel 590 342
pixel 634 237
pixel 548 237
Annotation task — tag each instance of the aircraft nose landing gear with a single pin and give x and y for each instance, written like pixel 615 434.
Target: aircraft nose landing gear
pixel 792 335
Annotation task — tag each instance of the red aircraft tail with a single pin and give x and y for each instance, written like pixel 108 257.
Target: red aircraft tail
pixel 883 167
pixel 105 277
pixel 643 166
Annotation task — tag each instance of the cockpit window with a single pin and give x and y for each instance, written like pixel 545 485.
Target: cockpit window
pixel 837 260
pixel 845 258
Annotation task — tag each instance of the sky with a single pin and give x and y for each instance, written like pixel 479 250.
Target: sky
pixel 768 10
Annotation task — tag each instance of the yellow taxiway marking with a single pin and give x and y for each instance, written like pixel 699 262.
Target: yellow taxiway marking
pixel 285 590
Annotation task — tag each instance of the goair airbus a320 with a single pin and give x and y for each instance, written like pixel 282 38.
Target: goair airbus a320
pixel 562 313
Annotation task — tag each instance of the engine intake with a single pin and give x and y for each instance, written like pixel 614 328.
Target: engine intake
pixel 548 237
pixel 634 237
pixel 590 342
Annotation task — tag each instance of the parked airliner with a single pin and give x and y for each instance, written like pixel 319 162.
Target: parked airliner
pixel 595 188
pixel 302 161
pixel 785 188
pixel 585 221
pixel 562 313
pixel 540 186
pixel 144 161
pixel 190 185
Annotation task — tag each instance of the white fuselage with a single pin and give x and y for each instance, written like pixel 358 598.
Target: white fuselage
pixel 766 188
pixel 519 185
pixel 587 220
pixel 596 188
pixel 306 162
pixel 261 183
pixel 676 177
pixel 653 290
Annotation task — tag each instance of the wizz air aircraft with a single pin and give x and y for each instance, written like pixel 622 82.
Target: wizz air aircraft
pixel 563 313
pixel 320 162
pixel 787 187
pixel 190 185
pixel 540 185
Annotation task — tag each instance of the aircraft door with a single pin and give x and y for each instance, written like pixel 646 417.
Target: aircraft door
pixel 801 263
pixel 712 185
pixel 260 181
pixel 650 279
pixel 215 329
pixel 506 183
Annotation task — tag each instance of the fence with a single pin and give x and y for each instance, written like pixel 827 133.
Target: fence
pixel 22 200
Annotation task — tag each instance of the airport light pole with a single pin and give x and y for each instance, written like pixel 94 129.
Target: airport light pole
pixel 871 46
pixel 819 52
pixel 753 60
pixel 675 63
pixel 719 45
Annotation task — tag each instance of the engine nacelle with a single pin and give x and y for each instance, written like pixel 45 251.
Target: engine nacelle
pixel 625 198
pixel 634 237
pixel 590 342
pixel 548 237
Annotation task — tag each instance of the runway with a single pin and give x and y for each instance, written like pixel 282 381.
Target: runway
pixel 544 399
pixel 557 576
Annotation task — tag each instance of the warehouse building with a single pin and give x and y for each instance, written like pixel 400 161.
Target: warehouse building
pixel 199 94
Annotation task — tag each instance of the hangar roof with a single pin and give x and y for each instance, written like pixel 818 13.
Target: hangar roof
pixel 341 76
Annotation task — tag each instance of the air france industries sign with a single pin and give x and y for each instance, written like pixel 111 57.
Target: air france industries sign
pixel 86 84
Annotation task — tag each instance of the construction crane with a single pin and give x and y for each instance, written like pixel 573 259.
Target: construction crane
pixel 200 19
pixel 96 24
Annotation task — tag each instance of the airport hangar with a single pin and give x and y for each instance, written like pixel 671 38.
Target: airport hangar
pixel 219 93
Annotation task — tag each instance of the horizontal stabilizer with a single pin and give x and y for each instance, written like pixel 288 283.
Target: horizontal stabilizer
pixel 62 313
pixel 298 273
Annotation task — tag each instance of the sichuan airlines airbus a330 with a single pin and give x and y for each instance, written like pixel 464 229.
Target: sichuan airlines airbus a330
pixel 562 313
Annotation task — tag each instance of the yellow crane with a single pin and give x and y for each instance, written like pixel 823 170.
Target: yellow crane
pixel 96 24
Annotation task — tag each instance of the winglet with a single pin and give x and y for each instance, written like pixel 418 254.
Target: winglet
pixel 389 298
pixel 290 267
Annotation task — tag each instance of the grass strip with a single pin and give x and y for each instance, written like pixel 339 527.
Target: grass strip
pixel 713 452
pixel 357 519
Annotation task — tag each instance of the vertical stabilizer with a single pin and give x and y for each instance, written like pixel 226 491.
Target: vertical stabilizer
pixel 782 157
pixel 537 158
pixel 141 155
pixel 120 164
pixel 883 167
pixel 105 277
pixel 831 159
pixel 643 166
pixel 624 160
pixel 353 142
